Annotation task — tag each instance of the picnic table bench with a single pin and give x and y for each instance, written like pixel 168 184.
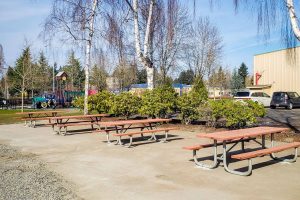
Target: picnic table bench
pixel 223 138
pixel 34 116
pixel 120 128
pixel 63 122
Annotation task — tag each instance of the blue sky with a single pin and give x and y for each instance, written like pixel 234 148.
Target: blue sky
pixel 21 20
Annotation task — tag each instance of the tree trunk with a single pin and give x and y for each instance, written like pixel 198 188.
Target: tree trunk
pixel 293 18
pixel 22 96
pixel 150 77
pixel 144 58
pixel 88 57
pixel 87 74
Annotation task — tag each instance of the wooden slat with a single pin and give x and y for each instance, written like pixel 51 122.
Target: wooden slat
pixel 242 133
pixel 202 146
pixel 146 131
pixel 79 116
pixel 128 122
pixel 263 152
pixel 39 112
pixel 74 124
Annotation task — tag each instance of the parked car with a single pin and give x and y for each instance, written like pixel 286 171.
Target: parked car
pixel 289 100
pixel 259 97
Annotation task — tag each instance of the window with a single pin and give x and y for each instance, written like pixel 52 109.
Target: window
pixel 242 94
pixel 266 95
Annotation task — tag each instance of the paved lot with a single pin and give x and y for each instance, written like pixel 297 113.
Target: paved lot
pixel 149 171
pixel 291 118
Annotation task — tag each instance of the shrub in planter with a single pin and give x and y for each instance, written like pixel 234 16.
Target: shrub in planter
pixel 158 102
pixel 126 104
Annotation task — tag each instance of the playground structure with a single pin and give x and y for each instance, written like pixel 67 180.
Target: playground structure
pixel 60 97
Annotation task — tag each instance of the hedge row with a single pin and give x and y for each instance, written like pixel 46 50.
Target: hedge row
pixel 163 101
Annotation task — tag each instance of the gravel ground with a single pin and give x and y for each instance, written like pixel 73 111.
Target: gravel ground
pixel 23 176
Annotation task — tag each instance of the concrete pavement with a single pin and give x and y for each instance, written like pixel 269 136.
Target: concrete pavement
pixel 149 171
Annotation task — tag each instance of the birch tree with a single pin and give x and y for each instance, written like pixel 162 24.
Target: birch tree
pixel 143 54
pixel 75 21
pixel 271 12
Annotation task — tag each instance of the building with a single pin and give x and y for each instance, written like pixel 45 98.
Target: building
pixel 277 71
pixel 217 92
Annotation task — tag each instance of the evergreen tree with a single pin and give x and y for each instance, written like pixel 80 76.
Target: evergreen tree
pixel 236 81
pixel 186 77
pixel 75 72
pixel 42 74
pixel 243 72
pixel 141 76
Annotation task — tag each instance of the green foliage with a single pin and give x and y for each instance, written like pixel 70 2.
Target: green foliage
pixel 243 72
pixel 189 103
pixel 78 102
pixel 185 77
pixel 236 82
pixel 158 102
pixel 126 104
pixel 236 113
pixel 102 102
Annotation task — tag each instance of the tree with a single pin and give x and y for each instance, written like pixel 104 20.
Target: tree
pixel 98 77
pixel 143 55
pixel 243 72
pixel 42 74
pixel 173 27
pixel 74 72
pixel 236 82
pixel 204 49
pixel 185 77
pixel 141 76
pixel 20 77
pixel 270 13
pixel 125 75
pixel 75 19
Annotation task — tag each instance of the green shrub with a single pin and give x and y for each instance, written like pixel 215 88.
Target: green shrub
pixel 102 102
pixel 126 104
pixel 158 102
pixel 78 102
pixel 189 103
pixel 236 113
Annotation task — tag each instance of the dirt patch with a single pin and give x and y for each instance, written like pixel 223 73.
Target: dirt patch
pixel 22 176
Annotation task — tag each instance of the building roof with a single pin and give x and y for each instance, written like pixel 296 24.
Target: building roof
pixel 259 86
pixel 61 73
pixel 283 49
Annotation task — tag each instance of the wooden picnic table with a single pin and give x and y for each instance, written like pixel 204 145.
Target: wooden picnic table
pixel 33 116
pixel 121 126
pixel 62 122
pixel 223 138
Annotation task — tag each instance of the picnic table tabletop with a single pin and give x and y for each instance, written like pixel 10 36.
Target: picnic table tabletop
pixel 39 112
pixel 79 116
pixel 129 122
pixel 242 133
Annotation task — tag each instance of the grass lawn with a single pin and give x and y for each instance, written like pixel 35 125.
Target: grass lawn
pixel 10 116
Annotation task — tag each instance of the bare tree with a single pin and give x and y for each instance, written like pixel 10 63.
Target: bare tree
pixel 205 48
pixel 20 77
pixel 172 32
pixel 75 19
